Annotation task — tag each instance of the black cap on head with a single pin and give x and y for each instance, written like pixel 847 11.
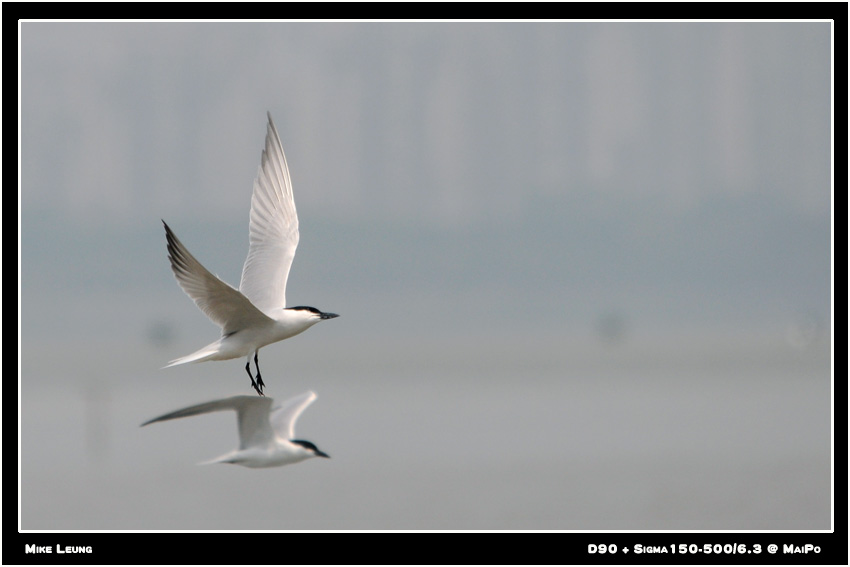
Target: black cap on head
pixel 310 447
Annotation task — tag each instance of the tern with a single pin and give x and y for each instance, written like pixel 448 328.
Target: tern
pixel 266 434
pixel 254 315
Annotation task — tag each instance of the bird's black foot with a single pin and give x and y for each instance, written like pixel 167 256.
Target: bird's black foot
pixel 258 384
pixel 259 381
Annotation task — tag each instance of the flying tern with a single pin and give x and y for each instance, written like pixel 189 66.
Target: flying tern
pixel 255 315
pixel 266 434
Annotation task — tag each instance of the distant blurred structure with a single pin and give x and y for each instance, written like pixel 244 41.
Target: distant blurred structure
pixel 804 330
pixel 97 398
pixel 612 327
pixel 160 334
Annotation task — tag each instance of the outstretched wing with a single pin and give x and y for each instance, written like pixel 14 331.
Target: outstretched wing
pixel 283 418
pixel 252 414
pixel 224 305
pixel 273 230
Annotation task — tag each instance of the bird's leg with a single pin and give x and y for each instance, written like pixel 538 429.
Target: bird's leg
pixel 253 383
pixel 259 378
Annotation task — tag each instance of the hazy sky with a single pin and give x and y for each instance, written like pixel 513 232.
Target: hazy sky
pixel 419 122
pixel 628 167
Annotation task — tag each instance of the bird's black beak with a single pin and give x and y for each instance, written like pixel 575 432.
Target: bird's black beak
pixel 328 315
pixel 321 454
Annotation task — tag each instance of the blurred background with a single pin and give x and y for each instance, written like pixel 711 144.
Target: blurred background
pixel 583 272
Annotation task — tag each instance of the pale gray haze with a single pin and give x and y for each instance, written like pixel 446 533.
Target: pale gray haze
pixel 583 272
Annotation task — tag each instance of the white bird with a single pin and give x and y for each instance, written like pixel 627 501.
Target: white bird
pixel 255 315
pixel 266 435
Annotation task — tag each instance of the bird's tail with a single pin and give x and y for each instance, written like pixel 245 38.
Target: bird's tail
pixel 226 458
pixel 205 353
pixel 213 461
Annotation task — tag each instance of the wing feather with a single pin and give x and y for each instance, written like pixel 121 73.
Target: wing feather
pixel 283 418
pixel 273 230
pixel 252 414
pixel 224 305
